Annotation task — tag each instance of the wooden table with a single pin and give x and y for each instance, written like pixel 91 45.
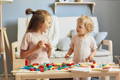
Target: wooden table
pixel 20 75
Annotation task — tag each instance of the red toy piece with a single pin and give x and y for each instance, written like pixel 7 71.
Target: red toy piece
pixel 94 62
pixel 32 69
pixel 92 66
pixel 35 64
pixel 41 66
pixel 26 62
pixel 47 65
pixel 42 69
pixel 53 68
pixel 70 64
pixel 53 64
pixel 66 68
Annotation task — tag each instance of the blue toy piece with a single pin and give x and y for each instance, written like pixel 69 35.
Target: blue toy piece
pixel 37 69
pixel 26 67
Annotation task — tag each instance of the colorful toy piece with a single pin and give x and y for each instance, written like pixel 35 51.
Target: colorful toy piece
pixel 41 66
pixel 42 69
pixel 106 66
pixel 94 62
pixel 35 64
pixel 83 65
pixel 92 66
pixel 32 69
pixel 70 64
pixel 26 62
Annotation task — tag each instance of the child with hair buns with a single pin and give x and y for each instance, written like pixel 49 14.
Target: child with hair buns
pixel 35 46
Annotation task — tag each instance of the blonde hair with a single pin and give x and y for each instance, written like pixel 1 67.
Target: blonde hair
pixel 87 21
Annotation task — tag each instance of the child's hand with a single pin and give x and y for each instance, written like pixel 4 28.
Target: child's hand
pixel 41 44
pixel 89 59
pixel 48 46
pixel 67 56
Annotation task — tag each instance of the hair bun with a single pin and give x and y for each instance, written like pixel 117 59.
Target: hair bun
pixel 29 11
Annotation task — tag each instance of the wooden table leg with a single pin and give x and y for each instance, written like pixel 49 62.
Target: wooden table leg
pixel 117 77
pixel 105 78
pixel 18 77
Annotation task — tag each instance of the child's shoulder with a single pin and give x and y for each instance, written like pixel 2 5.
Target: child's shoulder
pixel 75 36
pixel 90 37
pixel 28 34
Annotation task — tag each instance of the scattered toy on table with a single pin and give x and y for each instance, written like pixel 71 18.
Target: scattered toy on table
pixel 64 66
pixel 47 66
pixel 26 62
pixel 106 67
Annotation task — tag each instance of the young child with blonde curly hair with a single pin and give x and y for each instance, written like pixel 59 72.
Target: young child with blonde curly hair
pixel 83 45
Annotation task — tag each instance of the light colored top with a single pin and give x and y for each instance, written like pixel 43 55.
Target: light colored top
pixel 82 47
pixel 29 41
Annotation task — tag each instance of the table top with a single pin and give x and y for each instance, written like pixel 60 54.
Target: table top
pixel 66 73
pixel 63 74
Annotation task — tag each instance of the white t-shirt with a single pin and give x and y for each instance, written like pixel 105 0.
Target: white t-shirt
pixel 82 47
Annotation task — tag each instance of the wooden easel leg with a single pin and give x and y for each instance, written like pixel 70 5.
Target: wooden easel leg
pixel 7 45
pixel 2 44
pixel 5 66
pixel 6 39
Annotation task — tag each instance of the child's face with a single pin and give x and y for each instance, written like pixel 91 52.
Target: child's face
pixel 46 25
pixel 81 30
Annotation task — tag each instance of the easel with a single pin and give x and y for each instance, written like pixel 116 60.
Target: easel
pixel 3 41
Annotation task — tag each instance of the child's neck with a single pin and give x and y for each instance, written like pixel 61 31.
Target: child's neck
pixel 36 31
pixel 82 35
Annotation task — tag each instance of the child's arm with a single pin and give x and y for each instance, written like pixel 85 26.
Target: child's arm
pixel 69 53
pixel 93 53
pixel 49 49
pixel 93 47
pixel 27 53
